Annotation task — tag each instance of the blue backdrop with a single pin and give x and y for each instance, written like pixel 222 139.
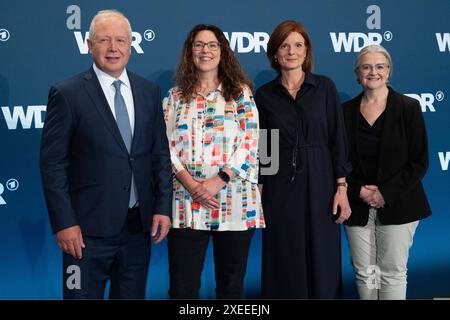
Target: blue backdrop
pixel 44 41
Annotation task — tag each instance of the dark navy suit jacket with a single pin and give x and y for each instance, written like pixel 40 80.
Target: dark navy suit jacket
pixel 85 166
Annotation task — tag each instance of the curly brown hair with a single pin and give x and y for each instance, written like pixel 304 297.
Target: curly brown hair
pixel 231 75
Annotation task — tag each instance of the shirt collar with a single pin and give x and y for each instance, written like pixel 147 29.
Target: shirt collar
pixel 103 77
pixel 309 79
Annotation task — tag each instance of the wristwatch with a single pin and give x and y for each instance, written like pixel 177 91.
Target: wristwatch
pixel 224 176
pixel 342 184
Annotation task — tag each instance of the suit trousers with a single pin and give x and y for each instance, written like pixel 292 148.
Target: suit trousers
pixel 123 259
pixel 187 250
pixel 379 256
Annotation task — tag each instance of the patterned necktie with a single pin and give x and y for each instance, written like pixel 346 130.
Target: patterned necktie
pixel 123 122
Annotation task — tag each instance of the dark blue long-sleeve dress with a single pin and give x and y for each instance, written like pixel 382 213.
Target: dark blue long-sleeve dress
pixel 301 243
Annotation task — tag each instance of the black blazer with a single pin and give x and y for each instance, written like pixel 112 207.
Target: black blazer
pixel 85 166
pixel 402 162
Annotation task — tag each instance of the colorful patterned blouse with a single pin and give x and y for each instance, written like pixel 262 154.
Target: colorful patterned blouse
pixel 206 135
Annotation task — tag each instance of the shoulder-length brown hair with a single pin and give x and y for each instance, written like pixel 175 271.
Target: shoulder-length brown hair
pixel 281 32
pixel 231 75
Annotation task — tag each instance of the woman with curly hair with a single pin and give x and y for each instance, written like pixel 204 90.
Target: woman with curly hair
pixel 212 127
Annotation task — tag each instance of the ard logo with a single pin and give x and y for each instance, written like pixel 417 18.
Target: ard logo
pixel 10 185
pixel 4 35
pixel 427 100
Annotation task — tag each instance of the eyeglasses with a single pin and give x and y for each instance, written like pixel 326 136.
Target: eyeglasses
pixel 212 45
pixel 380 67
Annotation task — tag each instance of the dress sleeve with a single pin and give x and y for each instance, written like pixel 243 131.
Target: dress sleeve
pixel 244 158
pixel 337 137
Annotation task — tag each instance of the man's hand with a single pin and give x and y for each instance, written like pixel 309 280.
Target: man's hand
pixel 70 240
pixel 162 223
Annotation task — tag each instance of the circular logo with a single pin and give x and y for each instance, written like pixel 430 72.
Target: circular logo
pixel 149 35
pixel 439 96
pixel 4 35
pixel 12 184
pixel 388 36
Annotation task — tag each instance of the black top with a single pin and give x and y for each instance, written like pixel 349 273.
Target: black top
pixel 369 145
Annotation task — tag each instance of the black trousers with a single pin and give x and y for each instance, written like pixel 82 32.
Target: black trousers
pixel 122 259
pixel 187 249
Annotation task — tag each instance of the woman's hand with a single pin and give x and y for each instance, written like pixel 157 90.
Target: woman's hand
pixel 371 195
pixel 341 201
pixel 195 188
pixel 366 192
pixel 199 192
pixel 207 189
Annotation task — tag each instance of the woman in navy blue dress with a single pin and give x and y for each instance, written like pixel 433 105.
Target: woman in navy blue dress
pixel 306 200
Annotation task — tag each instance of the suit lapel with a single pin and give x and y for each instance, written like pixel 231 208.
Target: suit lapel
pixel 95 92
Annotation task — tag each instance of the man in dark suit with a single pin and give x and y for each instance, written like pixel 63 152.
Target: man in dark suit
pixel 106 169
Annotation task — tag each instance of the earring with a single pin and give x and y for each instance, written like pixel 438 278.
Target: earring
pixel 276 59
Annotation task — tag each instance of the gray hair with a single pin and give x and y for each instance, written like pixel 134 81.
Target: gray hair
pixel 107 14
pixel 372 49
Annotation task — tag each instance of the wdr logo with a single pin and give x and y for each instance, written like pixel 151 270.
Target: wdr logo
pixel 443 41
pixel 244 42
pixel 27 117
pixel 427 99
pixel 11 185
pixel 355 41
pixel 444 159
pixel 73 22
pixel 135 43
